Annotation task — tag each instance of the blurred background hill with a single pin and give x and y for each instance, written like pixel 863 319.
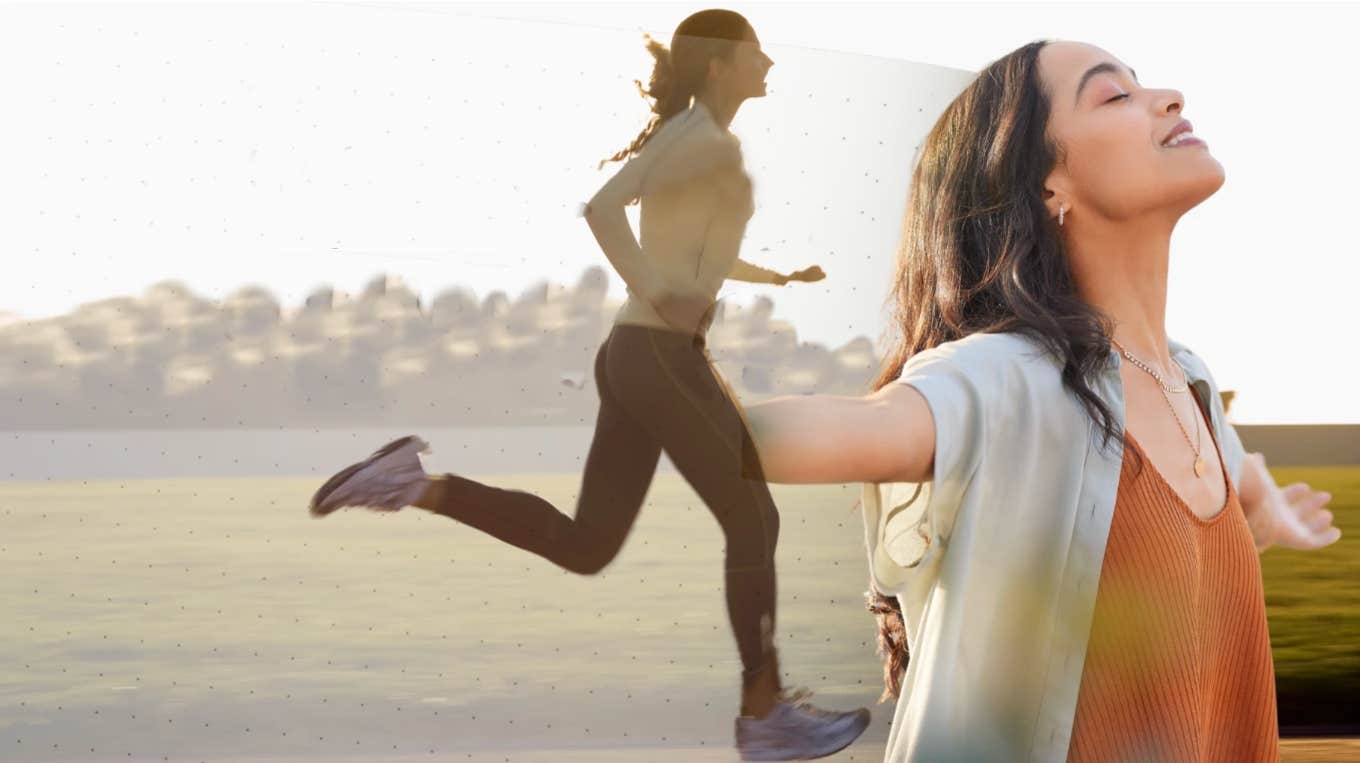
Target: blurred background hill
pixel 170 358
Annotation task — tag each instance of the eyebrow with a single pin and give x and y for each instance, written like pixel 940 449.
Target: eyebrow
pixel 1100 68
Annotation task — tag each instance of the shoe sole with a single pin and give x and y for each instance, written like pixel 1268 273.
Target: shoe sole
pixel 862 724
pixel 340 477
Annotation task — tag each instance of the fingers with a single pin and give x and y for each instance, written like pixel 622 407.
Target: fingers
pixel 1325 538
pixel 1295 490
pixel 1307 524
pixel 1304 499
pixel 1319 521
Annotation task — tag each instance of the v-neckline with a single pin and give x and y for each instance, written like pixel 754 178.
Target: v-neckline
pixel 1223 468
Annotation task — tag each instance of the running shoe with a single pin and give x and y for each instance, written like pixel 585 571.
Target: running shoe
pixel 797 730
pixel 389 479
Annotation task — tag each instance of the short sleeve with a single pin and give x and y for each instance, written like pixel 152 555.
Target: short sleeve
pixel 963 383
pixel 952 379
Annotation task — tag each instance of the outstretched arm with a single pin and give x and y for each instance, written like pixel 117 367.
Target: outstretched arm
pixel 925 425
pixel 887 436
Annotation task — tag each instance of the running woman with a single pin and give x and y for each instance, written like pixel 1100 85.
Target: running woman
pixel 659 388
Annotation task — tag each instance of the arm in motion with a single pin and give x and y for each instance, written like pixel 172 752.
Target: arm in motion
pixel 670 158
pixel 745 271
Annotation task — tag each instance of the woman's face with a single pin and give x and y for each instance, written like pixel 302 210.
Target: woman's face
pixel 744 75
pixel 1115 162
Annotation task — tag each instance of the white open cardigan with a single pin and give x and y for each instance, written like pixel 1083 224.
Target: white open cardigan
pixel 996 561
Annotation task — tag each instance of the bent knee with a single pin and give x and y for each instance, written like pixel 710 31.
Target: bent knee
pixel 591 560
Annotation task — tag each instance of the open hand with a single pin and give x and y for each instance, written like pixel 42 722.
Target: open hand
pixel 1294 516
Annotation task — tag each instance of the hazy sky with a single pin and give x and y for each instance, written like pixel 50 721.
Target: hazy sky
pixel 298 145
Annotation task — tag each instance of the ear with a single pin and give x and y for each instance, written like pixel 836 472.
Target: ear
pixel 1056 203
pixel 715 68
pixel 1055 192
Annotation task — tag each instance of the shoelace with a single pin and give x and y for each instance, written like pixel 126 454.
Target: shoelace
pixel 799 697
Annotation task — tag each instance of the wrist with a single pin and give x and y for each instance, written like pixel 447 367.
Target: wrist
pixel 1261 519
pixel 1269 523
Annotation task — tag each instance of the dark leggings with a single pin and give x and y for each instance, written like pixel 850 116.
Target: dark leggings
pixel 658 391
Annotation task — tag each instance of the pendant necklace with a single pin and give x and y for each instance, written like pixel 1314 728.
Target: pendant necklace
pixel 1165 388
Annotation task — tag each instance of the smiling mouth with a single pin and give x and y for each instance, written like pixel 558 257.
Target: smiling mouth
pixel 1186 138
pixel 1182 134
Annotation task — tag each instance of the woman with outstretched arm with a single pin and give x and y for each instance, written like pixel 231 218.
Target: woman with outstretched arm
pixel 1061 526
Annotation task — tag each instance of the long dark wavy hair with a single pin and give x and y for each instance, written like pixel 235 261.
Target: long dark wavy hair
pixel 679 72
pixel 980 253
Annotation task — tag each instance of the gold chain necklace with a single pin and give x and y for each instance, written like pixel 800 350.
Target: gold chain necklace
pixel 1151 370
pixel 1199 462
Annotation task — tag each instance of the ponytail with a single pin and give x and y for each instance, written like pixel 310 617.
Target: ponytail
pixel 668 94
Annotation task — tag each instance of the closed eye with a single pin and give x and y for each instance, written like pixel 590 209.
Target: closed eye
pixel 1117 97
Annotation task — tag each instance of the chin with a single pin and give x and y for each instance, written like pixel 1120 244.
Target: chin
pixel 1201 184
pixel 1211 180
pixel 1195 193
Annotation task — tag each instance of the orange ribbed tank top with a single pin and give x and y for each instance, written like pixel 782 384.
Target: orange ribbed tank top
pixel 1178 667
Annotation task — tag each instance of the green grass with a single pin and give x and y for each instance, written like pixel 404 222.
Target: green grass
pixel 1313 605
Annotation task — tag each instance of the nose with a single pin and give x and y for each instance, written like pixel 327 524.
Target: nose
pixel 1170 102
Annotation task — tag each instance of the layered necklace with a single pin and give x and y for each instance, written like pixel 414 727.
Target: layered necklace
pixel 1165 389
